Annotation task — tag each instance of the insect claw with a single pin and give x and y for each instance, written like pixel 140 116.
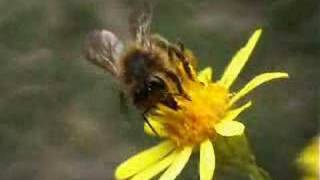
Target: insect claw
pixel 187 97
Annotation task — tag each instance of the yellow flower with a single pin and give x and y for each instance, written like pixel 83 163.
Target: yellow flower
pixel 210 112
pixel 308 160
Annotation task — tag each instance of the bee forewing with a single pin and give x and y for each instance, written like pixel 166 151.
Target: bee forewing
pixel 139 22
pixel 103 48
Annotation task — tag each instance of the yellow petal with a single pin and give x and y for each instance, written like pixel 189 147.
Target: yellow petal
pixel 258 80
pixel 207 160
pixel 156 168
pixel 158 127
pixel 232 114
pixel 239 60
pixel 205 75
pixel 229 128
pixel 142 160
pixel 179 162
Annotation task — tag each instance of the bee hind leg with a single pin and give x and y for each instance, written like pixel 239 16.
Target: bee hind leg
pixel 181 45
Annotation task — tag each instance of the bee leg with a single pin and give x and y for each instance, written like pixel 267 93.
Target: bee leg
pixel 159 41
pixel 144 115
pixel 176 80
pixel 186 65
pixel 123 103
pixel 180 45
pixel 170 102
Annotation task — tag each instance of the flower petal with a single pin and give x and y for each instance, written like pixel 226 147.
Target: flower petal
pixel 207 160
pixel 205 75
pixel 156 168
pixel 229 128
pixel 239 60
pixel 232 114
pixel 180 161
pixel 258 80
pixel 158 127
pixel 142 160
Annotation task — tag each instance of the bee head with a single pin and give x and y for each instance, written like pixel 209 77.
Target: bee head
pixel 150 92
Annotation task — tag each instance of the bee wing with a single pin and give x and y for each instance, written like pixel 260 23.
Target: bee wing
pixel 103 48
pixel 139 22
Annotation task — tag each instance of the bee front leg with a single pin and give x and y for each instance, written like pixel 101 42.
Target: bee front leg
pixel 123 103
pixel 144 115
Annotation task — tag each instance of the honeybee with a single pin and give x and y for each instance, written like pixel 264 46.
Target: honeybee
pixel 146 67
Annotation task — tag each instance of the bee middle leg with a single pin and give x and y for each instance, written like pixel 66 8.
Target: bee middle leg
pixel 177 81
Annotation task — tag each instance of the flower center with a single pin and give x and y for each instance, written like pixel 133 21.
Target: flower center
pixel 195 120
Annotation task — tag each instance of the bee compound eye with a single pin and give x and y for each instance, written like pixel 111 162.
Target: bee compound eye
pixel 157 85
pixel 156 82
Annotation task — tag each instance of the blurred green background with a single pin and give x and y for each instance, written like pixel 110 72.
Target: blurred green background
pixel 61 117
